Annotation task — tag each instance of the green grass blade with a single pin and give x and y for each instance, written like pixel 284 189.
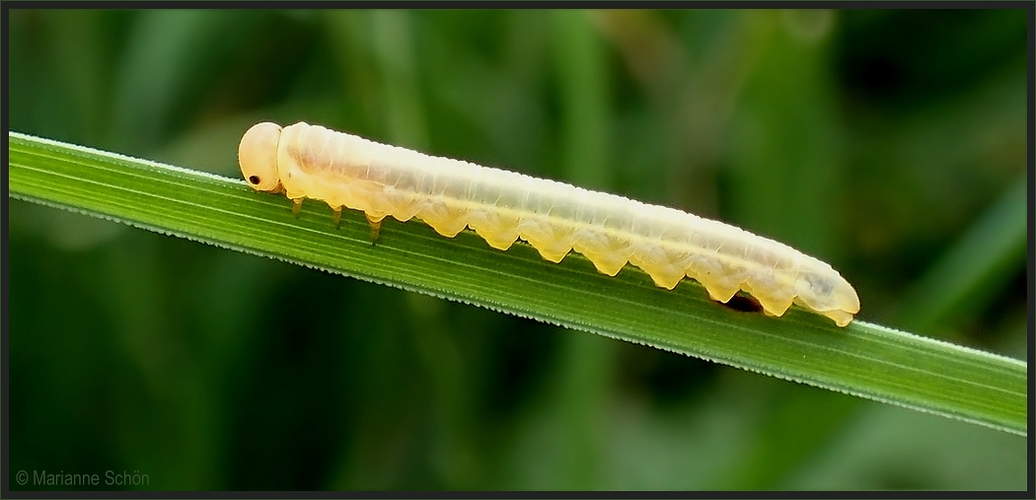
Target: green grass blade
pixel 863 359
pixel 970 273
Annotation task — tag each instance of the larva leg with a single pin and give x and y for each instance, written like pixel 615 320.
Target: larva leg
pixel 336 219
pixel 375 228
pixel 296 206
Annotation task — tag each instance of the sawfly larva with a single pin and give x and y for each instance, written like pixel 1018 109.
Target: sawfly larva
pixel 307 161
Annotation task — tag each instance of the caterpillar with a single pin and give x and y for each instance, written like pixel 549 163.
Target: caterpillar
pixel 344 170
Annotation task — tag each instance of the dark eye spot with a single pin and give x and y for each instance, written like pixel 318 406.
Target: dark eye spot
pixel 254 179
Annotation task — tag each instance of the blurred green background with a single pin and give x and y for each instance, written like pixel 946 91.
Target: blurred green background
pixel 889 143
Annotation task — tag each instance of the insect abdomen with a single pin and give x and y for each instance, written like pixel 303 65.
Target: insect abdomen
pixel 555 218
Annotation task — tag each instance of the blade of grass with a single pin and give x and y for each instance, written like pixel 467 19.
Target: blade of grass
pixel 983 259
pixel 863 359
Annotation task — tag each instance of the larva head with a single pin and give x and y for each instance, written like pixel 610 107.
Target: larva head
pixel 257 156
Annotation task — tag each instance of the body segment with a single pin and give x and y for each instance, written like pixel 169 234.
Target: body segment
pixel 344 170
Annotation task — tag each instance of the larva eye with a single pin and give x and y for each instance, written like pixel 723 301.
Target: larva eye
pixel 257 156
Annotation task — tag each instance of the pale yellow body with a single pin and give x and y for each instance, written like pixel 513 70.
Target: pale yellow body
pixel 344 170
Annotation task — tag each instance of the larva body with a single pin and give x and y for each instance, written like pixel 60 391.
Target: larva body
pixel 306 161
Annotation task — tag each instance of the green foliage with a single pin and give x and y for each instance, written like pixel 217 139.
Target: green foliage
pixel 891 144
